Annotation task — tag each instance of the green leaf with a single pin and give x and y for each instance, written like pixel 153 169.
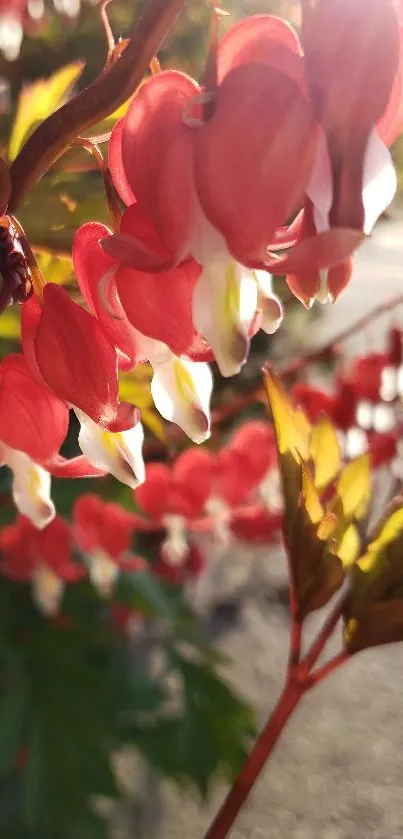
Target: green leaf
pixel 14 707
pixel 143 591
pixel 71 733
pixel 38 100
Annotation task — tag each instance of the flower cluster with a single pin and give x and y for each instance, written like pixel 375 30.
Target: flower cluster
pixel 101 531
pixel 232 495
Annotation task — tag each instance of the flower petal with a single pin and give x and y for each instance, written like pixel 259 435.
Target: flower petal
pixel 75 358
pixel 157 153
pixel 152 495
pixel 324 285
pixel 269 304
pixel 390 124
pixel 32 419
pixel 224 305
pixel 118 453
pixel 253 162
pixel 320 187
pixel 193 473
pixel 261 39
pixel 103 573
pixel 351 58
pixel 95 272
pixel 181 391
pixel 48 590
pixel 160 305
pixel 115 160
pixel 316 252
pixel 138 244
pixel 17 556
pixel 75 467
pixel 31 488
pixel 380 180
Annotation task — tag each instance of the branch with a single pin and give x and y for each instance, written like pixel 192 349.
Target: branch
pixel 322 638
pixel 262 749
pixel 330 666
pixel 311 356
pixel 110 90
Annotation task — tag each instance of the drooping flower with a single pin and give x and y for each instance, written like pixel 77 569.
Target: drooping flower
pixel 218 189
pixel 104 532
pixel 68 351
pixel 42 557
pixel 33 425
pixel 354 67
pixel 233 492
pixel 148 316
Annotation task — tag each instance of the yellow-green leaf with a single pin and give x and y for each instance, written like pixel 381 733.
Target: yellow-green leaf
pixel 325 452
pixel 349 545
pixel 55 269
pixel 291 425
pixel 310 496
pixel 10 324
pixel 390 531
pixel 354 488
pixel 38 100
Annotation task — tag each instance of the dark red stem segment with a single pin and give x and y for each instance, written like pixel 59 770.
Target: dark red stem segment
pixel 327 668
pixel 323 636
pixel 110 192
pixel 226 816
pixel 111 89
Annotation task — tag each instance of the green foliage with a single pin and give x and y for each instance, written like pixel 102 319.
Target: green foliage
pixel 74 689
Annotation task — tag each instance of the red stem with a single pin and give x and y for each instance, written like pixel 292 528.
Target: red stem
pixel 327 668
pixel 323 636
pixel 263 747
pixel 110 191
pixel 299 681
pixel 101 98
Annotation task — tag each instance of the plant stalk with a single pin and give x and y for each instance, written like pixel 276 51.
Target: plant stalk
pixel 262 749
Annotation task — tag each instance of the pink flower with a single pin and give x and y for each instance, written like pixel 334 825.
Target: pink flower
pixel 104 532
pixel 43 557
pixel 67 350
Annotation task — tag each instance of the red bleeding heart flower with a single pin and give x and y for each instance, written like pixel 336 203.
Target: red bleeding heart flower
pixel 67 349
pixel 218 189
pixel 148 315
pixel 354 67
pixel 104 532
pixel 42 557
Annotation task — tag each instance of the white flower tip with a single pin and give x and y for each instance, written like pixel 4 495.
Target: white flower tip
pixel 181 391
pixel 231 352
pixel 31 488
pixel 48 590
pixel 175 545
pixel 119 453
pixel 103 573
pixel 272 314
